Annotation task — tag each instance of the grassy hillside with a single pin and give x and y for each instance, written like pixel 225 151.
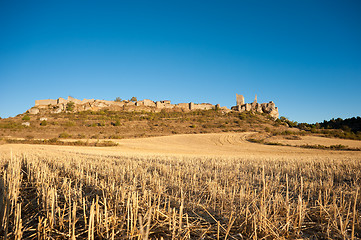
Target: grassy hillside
pixel 124 124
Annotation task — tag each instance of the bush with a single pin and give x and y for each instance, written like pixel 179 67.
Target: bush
pixel 338 146
pixel 53 140
pixel 43 123
pixel 289 122
pixel 70 106
pixel 116 123
pixel 253 140
pixel 29 137
pixel 64 135
pixel 81 135
pixel 70 124
pixel 9 124
pixel 115 137
pixel 26 118
pixel 105 144
pixel 294 137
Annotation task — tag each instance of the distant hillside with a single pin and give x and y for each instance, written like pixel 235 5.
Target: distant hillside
pixel 106 124
pixel 348 124
pixel 349 128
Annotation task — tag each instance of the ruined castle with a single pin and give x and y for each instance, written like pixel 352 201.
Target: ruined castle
pixel 75 105
pixel 269 108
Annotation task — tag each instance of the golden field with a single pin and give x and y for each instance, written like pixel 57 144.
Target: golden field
pixel 203 186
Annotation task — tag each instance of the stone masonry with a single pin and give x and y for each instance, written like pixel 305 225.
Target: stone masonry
pixel 75 105
pixel 268 108
pixel 239 99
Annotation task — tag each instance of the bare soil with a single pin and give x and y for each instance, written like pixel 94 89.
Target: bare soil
pixel 214 144
pixel 314 140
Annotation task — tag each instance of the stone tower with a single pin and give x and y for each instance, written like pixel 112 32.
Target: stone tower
pixel 239 99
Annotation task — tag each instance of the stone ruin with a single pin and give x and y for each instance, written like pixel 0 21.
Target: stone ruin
pixel 268 108
pixel 75 105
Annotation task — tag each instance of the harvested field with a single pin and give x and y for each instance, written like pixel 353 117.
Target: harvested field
pixel 209 186
pixel 314 140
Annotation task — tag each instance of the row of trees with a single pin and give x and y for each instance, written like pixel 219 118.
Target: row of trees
pixel 118 99
pixel 349 128
pixel 348 125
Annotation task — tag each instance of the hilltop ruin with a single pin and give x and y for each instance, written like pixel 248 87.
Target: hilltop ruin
pixel 268 108
pixel 75 105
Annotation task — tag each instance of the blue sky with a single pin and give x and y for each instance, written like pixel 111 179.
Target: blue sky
pixel 303 55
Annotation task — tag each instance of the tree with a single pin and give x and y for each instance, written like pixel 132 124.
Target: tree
pixel 133 99
pixel 26 118
pixel 117 99
pixel 70 106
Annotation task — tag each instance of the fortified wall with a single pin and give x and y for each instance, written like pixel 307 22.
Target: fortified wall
pixel 75 105
pixel 268 108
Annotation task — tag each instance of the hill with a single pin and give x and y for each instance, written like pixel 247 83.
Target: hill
pixel 348 124
pixel 106 124
pixel 55 119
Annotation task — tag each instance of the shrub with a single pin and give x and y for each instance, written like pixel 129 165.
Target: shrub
pixel 338 146
pixel 116 123
pixel 294 137
pixel 43 123
pixel 29 137
pixel 117 99
pixel 289 122
pixel 253 140
pixel 70 124
pixel 9 124
pixel 53 140
pixel 273 143
pixel 64 135
pixel 242 116
pixel 115 137
pixel 26 118
pixel 70 106
pixel 105 144
pixel 81 135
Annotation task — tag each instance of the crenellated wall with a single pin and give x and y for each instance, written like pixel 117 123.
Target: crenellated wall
pixel 46 102
pixel 60 105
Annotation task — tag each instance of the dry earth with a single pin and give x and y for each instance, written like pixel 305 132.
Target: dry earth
pixel 198 186
pixel 315 140
pixel 214 144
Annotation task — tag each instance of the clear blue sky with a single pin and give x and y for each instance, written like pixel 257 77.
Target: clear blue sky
pixel 303 55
